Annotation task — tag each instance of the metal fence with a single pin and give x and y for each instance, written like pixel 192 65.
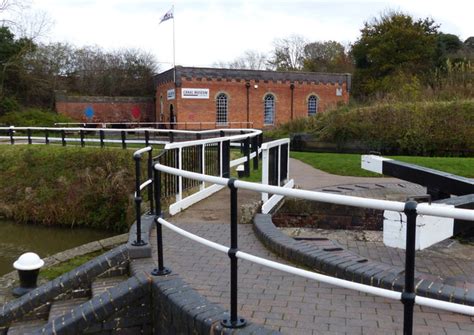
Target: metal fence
pixel 411 209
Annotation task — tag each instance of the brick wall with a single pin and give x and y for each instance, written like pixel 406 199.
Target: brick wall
pixel 106 109
pixel 241 109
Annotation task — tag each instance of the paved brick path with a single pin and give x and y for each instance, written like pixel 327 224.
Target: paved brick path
pixel 281 301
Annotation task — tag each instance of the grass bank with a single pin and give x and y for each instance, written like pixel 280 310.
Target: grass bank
pixel 68 186
pixel 349 164
pixel 428 128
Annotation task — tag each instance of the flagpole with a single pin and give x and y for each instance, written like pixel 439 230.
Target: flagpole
pixel 174 51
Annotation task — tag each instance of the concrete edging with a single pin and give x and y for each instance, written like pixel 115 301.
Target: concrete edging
pixel 329 258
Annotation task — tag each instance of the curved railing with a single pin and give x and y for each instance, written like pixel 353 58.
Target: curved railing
pixel 411 209
pixel 102 136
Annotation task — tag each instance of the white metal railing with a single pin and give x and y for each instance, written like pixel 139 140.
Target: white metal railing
pixel 407 297
pixel 184 202
pixel 384 293
pixel 340 199
pixel 191 124
pixel 270 203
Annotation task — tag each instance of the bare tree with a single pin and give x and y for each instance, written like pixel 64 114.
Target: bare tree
pixel 288 53
pixel 251 60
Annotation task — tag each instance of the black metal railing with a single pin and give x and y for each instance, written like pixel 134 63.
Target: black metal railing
pixel 137 156
pixel 407 296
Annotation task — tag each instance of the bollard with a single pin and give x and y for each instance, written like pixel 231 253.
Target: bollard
pixel 28 266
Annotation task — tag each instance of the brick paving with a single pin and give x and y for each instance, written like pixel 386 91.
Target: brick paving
pixel 281 301
pixel 448 259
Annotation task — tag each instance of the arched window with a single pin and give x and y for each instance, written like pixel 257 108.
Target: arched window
pixel 269 110
pixel 221 109
pixel 312 105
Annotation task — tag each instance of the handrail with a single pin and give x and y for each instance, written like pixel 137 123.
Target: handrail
pixel 411 210
pixel 397 206
pixel 381 292
pixel 152 130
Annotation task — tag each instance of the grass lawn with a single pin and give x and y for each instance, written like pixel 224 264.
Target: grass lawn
pixel 349 164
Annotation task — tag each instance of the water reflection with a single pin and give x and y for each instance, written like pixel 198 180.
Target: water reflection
pixel 16 239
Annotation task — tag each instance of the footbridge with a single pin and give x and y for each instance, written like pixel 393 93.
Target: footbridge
pixel 192 267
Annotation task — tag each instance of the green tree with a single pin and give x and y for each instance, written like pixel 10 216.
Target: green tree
pixel 12 53
pixel 326 56
pixel 393 45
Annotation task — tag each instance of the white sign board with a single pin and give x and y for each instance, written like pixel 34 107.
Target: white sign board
pixel 170 94
pixel 195 93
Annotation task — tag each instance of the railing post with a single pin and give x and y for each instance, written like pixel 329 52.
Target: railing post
pixel 46 136
pixel 234 321
pixel 255 149
pixel 81 133
pixel 138 202
pixel 28 131
pixel 63 137
pixel 408 295
pixel 247 153
pixel 124 138
pixel 160 270
pixel 11 132
pixel 171 136
pixel 226 159
pixel 147 138
pixel 150 177
pixel 101 135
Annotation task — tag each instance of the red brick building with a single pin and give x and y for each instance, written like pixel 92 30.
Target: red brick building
pixel 208 97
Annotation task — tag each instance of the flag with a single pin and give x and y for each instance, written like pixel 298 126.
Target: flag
pixel 167 16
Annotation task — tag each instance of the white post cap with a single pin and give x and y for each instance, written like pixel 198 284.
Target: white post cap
pixel 28 261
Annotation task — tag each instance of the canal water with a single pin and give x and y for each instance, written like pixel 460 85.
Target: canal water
pixel 16 239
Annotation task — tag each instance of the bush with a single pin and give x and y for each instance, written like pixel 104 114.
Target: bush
pixel 423 128
pixel 33 117
pixel 70 186
pixel 8 105
pixel 427 128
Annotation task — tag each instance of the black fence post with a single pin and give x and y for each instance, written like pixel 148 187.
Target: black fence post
pixel 124 139
pixel 102 136
pixel 234 321
pixel 63 137
pixel 171 136
pixel 46 136
pixel 226 159
pixel 408 295
pixel 147 138
pixel 138 202
pixel 81 133
pixel 11 132
pixel 255 149
pixel 150 177
pixel 247 153
pixel 161 270
pixel 28 131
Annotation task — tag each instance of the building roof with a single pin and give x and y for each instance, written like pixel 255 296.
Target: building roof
pixel 247 75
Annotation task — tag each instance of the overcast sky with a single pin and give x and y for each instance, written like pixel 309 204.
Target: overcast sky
pixel 221 30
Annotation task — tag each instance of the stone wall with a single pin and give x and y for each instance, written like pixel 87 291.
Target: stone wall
pixel 312 214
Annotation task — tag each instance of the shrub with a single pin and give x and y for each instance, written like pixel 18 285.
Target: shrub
pixel 69 186
pixel 8 105
pixel 32 117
